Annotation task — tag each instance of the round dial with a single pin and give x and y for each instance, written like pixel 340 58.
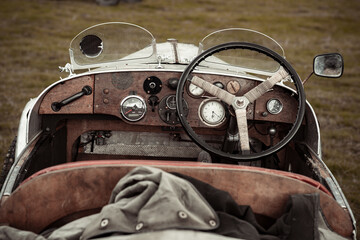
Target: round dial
pixel 212 112
pixel 171 102
pixel 195 90
pixel 219 85
pixel 168 112
pixel 133 108
pixel 274 106
pixel 233 86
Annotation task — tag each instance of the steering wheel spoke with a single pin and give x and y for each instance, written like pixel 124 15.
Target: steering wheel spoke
pixel 213 90
pixel 265 86
pixel 243 130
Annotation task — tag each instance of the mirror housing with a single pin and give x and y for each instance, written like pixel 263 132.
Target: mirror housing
pixel 329 65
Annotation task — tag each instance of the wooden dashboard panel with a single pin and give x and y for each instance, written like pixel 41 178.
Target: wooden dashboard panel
pixel 109 89
pixel 83 105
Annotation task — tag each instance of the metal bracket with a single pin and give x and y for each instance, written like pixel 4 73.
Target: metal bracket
pixel 68 69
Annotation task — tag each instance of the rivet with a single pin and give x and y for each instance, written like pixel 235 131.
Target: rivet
pixel 182 215
pixel 212 223
pixel 106 101
pixel 104 223
pixel 139 226
pixel 106 91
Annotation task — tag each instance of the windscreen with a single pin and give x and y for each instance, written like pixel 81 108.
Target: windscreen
pixel 110 42
pixel 242 58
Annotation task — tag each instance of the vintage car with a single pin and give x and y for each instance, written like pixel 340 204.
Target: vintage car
pixel 230 113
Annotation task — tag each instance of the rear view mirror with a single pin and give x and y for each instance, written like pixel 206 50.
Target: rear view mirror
pixel 329 65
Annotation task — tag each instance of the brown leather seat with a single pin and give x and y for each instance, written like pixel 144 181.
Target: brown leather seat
pixel 63 190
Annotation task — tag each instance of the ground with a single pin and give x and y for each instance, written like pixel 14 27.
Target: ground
pixel 36 35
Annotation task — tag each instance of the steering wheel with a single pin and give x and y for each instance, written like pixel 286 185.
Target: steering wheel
pixel 240 103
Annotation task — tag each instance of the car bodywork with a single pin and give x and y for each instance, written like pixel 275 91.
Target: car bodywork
pixel 68 127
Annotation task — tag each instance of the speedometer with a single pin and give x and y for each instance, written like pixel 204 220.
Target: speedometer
pixel 133 108
pixel 212 112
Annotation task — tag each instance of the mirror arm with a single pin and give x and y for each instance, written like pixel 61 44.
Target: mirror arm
pixel 303 82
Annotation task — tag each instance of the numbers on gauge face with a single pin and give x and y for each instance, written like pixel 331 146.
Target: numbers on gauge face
pixel 133 108
pixel 212 112
pixel 274 106
pixel 195 91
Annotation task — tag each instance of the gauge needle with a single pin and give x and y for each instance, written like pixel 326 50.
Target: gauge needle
pixel 213 113
pixel 128 111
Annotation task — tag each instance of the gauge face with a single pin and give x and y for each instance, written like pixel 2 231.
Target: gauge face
pixel 212 112
pixel 168 112
pixel 274 106
pixel 195 90
pixel 219 85
pixel 133 108
pixel 171 102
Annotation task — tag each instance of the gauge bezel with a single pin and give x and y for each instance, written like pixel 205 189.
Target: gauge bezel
pixel 127 98
pixel 269 109
pixel 202 105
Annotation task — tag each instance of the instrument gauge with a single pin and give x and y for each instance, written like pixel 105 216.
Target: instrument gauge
pixel 133 108
pixel 212 112
pixel 171 102
pixel 195 90
pixel 274 106
pixel 219 85
pixel 168 112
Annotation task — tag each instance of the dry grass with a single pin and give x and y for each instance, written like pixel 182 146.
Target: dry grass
pixel 36 34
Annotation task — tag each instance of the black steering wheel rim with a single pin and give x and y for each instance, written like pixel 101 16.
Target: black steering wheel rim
pixel 250 46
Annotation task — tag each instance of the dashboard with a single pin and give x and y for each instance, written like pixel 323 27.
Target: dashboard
pixel 148 98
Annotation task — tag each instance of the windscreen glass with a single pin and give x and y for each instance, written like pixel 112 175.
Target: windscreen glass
pixel 242 58
pixel 110 42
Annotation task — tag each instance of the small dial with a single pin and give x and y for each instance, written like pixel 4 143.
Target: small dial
pixel 133 108
pixel 212 112
pixel 195 90
pixel 219 85
pixel 171 102
pixel 274 106
pixel 233 86
pixel 168 112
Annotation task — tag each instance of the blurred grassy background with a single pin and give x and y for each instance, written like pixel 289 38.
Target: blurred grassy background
pixel 35 36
